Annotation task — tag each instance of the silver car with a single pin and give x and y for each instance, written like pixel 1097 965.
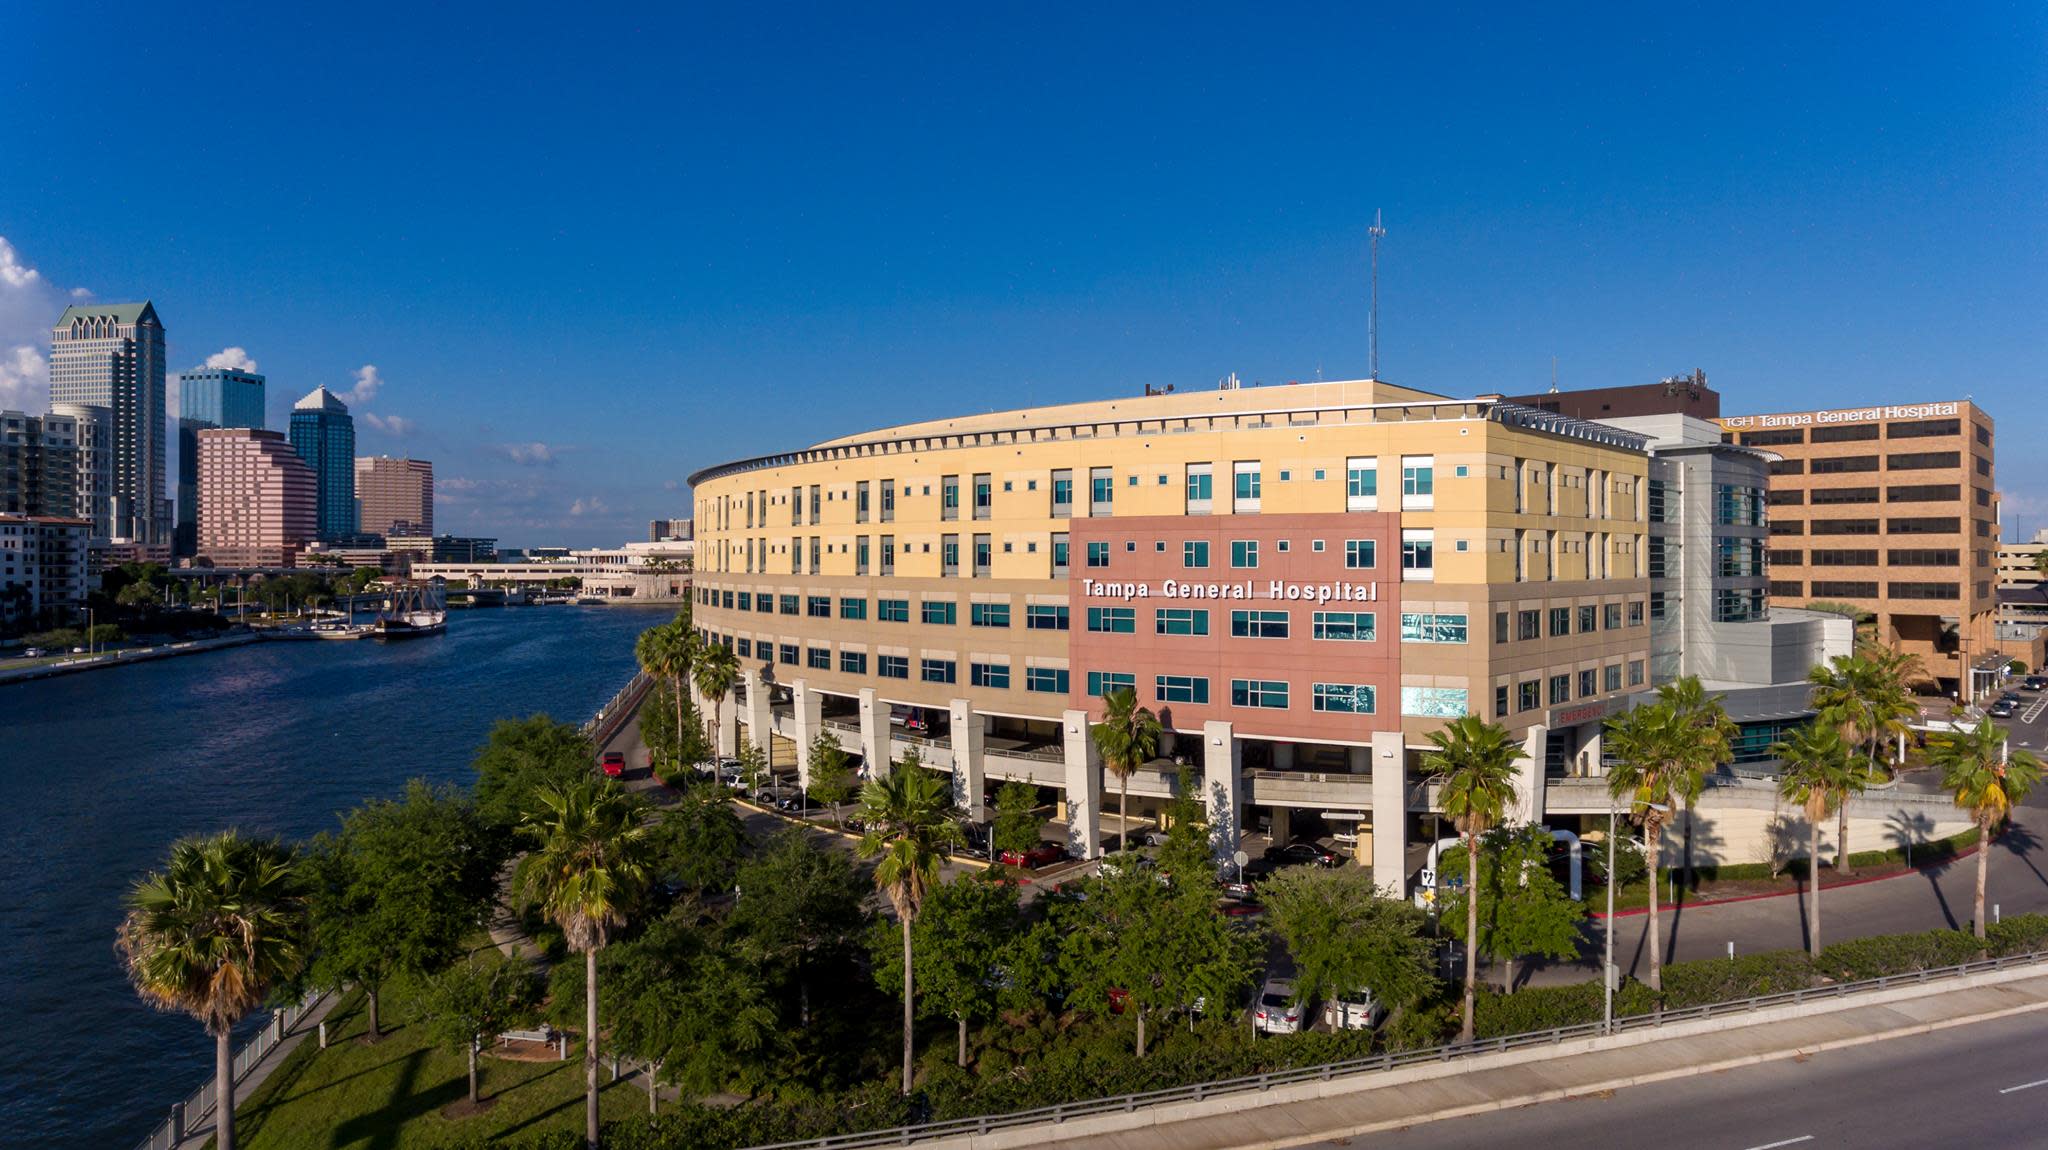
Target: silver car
pixel 1276 1011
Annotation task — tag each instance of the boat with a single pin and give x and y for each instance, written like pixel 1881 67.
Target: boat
pixel 340 630
pixel 412 611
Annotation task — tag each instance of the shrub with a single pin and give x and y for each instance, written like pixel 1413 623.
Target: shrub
pixel 1861 958
pixel 2020 934
pixel 1719 980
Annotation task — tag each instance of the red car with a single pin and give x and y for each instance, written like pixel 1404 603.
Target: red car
pixel 614 763
pixel 1038 856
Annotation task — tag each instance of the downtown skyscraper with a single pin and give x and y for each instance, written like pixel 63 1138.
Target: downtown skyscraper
pixel 208 397
pixel 107 367
pixel 324 435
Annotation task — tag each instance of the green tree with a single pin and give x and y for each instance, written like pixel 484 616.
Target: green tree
pixel 1186 855
pixel 1522 908
pixel 754 766
pixel 210 935
pixel 1016 822
pixel 699 842
pixel 588 865
pixel 1128 738
pixel 1345 938
pixel 471 1004
pixel 1865 697
pixel 832 781
pixel 1815 768
pixel 1988 782
pixel 1477 761
pixel 1708 739
pixel 138 595
pixel 523 757
pixel 397 889
pixel 664 652
pixel 963 940
pixel 715 670
pixel 911 830
pixel 671 748
pixel 799 910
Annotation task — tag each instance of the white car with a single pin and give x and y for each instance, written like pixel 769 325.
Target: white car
pixel 34 653
pixel 1357 1010
pixel 1276 1011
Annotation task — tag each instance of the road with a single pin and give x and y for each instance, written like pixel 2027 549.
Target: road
pixel 1982 1085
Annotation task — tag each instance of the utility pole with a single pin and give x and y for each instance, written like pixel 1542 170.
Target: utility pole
pixel 1373 333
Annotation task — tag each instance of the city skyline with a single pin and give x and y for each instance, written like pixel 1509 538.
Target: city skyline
pixel 1769 205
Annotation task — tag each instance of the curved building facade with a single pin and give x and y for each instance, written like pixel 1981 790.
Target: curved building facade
pixel 1302 581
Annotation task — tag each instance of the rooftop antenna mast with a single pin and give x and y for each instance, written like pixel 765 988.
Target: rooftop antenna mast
pixel 1373 332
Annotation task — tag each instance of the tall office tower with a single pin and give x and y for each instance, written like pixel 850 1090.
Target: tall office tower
pixel 111 356
pixel 256 498
pixel 38 464
pixel 208 397
pixel 394 496
pixel 325 436
pixel 661 529
pixel 93 473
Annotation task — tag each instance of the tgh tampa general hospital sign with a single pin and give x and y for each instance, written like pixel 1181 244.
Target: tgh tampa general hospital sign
pixel 1237 589
pixel 1843 415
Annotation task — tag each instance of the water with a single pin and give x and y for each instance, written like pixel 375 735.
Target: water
pixel 100 771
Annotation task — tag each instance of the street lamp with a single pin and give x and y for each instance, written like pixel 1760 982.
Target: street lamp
pixel 1607 978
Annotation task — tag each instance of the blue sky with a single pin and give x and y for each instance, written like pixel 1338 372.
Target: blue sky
pixel 591 249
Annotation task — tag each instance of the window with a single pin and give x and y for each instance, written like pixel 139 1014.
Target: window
pixel 1838 496
pixel 1194 553
pixel 1361 553
pixel 1560 689
pixel 1611 676
pixel 1059 554
pixel 1434 702
pixel 1924 461
pixel 860 562
pixel 819 658
pixel 1258 624
pixel 764 603
pixel 1842 527
pixel 1418 482
pixel 1418 554
pixel 1560 621
pixel 1344 698
pixel 1062 494
pixel 1736 606
pixel 1924 591
pixel 888 500
pixel 949 497
pixel 1635 613
pixel 938 671
pixel 892 666
pixel 1787 498
pixel 1267 693
pixel 1345 626
pixel 984 496
pixel 1919 428
pixel 1940 557
pixel 888 554
pixel 1588 683
pixel 853 662
pixel 1245 487
pixel 789 604
pixel 1181 689
pixel 1529 695
pixel 853 608
pixel 1635 672
pixel 1500 702
pixel 1113 620
pixel 1101 490
pixel 860 503
pixel 1244 553
pixel 1847 558
pixel 1611 616
pixel 989 675
pixel 1098 554
pixel 1844 589
pixel 949 554
pixel 1361 484
pixel 1201 488
pixel 1845 465
pixel 1180 621
pixel 787 654
pixel 1422 627
pixel 988 615
pixel 818 606
pixel 937 613
pixel 1845 433
pixel 1101 683
pixel 892 610
pixel 1589 619
pixel 1500 627
pixel 1042 617
pixel 1773 438
pixel 1046 680
pixel 1928 525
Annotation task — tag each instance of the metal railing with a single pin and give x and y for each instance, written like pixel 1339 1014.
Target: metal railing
pixel 1257 1083
pixel 610 717
pixel 186 1117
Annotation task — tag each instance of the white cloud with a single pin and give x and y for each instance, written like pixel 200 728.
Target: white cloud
pixel 234 358
pixel 591 506
pixel 393 425
pixel 81 293
pixel 535 454
pixel 29 304
pixel 671 485
pixel 368 383
pixel 24 380
pixel 13 272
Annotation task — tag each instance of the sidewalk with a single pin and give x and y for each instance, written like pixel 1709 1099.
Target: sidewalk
pixel 199 1131
pixel 1387 1100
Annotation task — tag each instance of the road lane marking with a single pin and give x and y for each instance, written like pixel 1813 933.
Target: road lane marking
pixel 1786 1142
pixel 2025 1086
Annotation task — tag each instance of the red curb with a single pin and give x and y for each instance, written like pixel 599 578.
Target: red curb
pixel 1916 872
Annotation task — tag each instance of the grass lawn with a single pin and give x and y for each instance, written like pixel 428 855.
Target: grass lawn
pixel 390 1095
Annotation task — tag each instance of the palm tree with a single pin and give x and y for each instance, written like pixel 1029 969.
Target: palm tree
pixel 1646 744
pixel 1709 739
pixel 589 863
pixel 1987 782
pixel 665 652
pixel 715 669
pixel 210 935
pixel 1477 760
pixel 1128 737
pixel 1865 697
pixel 1816 765
pixel 910 824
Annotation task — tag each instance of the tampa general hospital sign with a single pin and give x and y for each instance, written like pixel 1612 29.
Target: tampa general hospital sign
pixel 1843 415
pixel 1274 589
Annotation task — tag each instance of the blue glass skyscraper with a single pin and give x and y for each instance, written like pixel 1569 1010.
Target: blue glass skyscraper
pixel 324 435
pixel 208 397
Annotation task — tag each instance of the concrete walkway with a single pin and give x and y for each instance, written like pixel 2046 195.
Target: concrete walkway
pixel 198 1131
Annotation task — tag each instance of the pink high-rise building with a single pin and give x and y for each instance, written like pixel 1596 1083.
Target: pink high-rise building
pixel 258 501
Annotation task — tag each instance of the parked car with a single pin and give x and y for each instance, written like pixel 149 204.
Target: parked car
pixel 1277 1012
pixel 1354 1010
pixel 1044 854
pixel 1241 891
pixel 614 763
pixel 2002 709
pixel 2034 683
pixel 1303 851
pixel 34 653
pixel 2009 697
pixel 1155 838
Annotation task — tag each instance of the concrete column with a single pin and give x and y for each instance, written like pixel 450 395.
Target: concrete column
pixel 1084 787
pixel 968 732
pixel 1389 813
pixel 874 735
pixel 1222 786
pixel 808 713
pixel 728 726
pixel 1283 756
pixel 1283 825
pixel 1359 760
pixel 1590 750
pixel 1529 776
pixel 759 717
